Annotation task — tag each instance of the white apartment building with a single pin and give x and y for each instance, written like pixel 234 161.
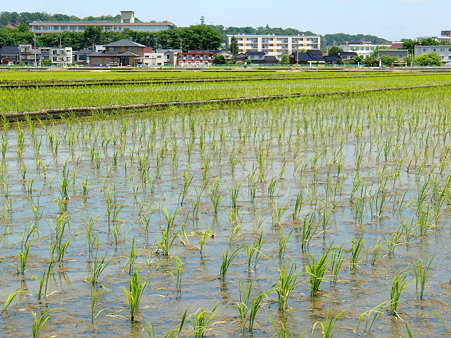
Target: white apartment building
pixel 275 45
pixel 150 60
pixel 127 22
pixel 443 50
pixel 361 48
pixel 60 56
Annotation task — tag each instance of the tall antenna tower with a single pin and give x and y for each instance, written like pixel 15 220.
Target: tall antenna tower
pixel 202 20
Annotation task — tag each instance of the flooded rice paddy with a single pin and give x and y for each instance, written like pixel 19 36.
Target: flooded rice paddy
pixel 269 188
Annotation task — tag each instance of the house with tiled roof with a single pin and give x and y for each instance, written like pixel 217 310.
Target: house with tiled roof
pixel 347 56
pixel 118 53
pixel 310 57
pixel 9 55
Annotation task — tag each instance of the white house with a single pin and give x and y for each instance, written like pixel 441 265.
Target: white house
pixel 361 48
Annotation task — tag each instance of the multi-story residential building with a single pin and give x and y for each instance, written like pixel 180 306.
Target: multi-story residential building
pixel 443 50
pixel 275 45
pixel 361 48
pixel 196 58
pixel 60 56
pixel 127 22
pixel 170 56
pixel 150 59
pixel 28 55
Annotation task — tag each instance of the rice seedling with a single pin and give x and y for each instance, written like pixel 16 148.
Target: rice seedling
pixel 227 261
pixel 285 285
pixel 167 235
pixel 375 255
pixel 371 316
pixel 278 213
pixel 134 253
pixel 336 261
pixel 356 249
pixel 205 234
pixel 327 327
pixel 39 322
pixel 96 268
pixel 178 282
pixel 254 249
pixel 309 229
pixel 392 243
pixel 316 271
pixel 96 295
pixel 7 300
pixel 298 204
pixel 399 284
pixel 421 277
pixel 283 242
pixel 134 294
pixel 201 321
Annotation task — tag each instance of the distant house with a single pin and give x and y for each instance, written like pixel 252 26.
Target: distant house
pixel 227 55
pixel 150 59
pixel 170 56
pixel 332 59
pixel 400 54
pixel 81 56
pixel 347 56
pixel 9 55
pixel 256 57
pixel 118 53
pixel 196 58
pixel 310 57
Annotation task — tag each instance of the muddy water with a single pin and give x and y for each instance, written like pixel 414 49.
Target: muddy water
pixel 123 173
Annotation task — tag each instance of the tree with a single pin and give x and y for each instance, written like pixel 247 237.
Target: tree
pixel 219 59
pixel 233 46
pixel 334 50
pixel 387 60
pixel 201 37
pixel 370 61
pixel 358 59
pixel 92 35
pixel 431 59
pixel 409 45
pixel 285 59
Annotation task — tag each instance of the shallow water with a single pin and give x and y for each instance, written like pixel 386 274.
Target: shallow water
pixel 124 171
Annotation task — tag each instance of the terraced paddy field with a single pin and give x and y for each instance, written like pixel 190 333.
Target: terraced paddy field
pixel 302 214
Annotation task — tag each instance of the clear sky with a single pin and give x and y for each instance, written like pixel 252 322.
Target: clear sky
pixel 389 19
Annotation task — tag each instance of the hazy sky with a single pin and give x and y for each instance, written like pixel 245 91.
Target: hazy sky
pixel 389 19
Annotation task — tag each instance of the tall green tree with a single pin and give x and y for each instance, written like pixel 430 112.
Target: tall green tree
pixel 334 50
pixel 93 35
pixel 233 46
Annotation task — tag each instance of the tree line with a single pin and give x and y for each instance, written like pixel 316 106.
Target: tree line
pixel 200 37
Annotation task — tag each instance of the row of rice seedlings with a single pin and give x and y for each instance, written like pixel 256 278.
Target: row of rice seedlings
pixel 48 98
pixel 313 223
